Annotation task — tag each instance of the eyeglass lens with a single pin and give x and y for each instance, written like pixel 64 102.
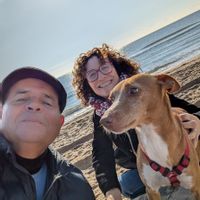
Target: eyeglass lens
pixel 92 75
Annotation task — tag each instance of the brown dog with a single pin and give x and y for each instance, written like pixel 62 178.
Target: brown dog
pixel 165 154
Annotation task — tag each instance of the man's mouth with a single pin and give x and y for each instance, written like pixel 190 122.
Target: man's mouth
pixel 32 121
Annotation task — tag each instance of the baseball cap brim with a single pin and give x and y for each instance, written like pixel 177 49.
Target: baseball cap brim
pixel 32 72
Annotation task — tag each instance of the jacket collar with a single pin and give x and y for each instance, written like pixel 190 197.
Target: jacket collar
pixel 5 147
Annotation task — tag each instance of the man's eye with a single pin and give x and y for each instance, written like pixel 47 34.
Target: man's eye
pixel 21 100
pixel 47 103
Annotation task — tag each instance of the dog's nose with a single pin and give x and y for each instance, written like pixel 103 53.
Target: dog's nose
pixel 106 121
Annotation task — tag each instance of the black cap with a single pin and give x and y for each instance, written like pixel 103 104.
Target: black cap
pixel 32 72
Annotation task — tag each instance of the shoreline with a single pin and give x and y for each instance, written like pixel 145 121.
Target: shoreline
pixel 75 139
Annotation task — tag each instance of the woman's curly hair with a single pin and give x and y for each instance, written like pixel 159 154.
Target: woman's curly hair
pixel 120 62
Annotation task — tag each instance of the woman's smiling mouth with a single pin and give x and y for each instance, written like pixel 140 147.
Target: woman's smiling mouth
pixel 105 84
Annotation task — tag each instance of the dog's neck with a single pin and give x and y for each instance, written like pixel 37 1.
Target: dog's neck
pixel 162 138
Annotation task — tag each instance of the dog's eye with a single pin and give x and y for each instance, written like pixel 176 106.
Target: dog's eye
pixel 133 91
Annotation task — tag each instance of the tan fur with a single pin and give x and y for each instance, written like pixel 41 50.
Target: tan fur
pixel 198 150
pixel 142 102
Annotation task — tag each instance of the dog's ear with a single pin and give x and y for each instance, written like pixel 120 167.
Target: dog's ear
pixel 168 83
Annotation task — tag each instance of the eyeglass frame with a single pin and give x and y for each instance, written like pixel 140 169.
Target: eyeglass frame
pixel 100 70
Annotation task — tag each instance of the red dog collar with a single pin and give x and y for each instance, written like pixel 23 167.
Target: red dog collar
pixel 176 170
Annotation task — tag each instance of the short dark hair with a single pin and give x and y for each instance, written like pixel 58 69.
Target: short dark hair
pixel 32 72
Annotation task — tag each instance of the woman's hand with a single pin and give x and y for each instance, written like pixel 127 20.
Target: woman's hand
pixel 192 124
pixel 113 194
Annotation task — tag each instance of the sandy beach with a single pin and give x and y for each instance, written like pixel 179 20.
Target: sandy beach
pixel 74 141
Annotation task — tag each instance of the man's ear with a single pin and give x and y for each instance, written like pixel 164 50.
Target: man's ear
pixel 168 83
pixel 62 119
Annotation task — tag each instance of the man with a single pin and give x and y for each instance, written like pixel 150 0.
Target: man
pixel 31 118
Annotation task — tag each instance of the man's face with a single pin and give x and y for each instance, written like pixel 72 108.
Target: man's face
pixel 31 113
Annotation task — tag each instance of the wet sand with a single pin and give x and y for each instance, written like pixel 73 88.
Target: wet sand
pixel 74 141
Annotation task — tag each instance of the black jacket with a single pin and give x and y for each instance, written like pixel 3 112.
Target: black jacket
pixel 64 180
pixel 105 157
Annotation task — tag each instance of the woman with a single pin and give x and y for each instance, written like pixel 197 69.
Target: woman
pixel 95 73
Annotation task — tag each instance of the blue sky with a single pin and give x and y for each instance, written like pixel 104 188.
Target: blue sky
pixel 50 34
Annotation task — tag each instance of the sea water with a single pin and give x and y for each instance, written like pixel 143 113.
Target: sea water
pixel 168 46
pixel 164 48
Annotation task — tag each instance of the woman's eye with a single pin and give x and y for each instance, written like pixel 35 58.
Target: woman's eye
pixel 105 68
pixel 92 74
pixel 133 90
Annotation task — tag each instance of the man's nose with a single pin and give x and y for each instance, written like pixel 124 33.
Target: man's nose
pixel 33 106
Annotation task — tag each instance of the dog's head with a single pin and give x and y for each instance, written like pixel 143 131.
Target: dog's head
pixel 136 99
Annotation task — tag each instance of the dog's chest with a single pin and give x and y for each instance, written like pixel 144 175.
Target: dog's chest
pixel 152 178
pixel 155 180
pixel 152 144
pixel 157 150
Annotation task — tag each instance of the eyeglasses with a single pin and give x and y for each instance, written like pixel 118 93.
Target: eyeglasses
pixel 92 75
